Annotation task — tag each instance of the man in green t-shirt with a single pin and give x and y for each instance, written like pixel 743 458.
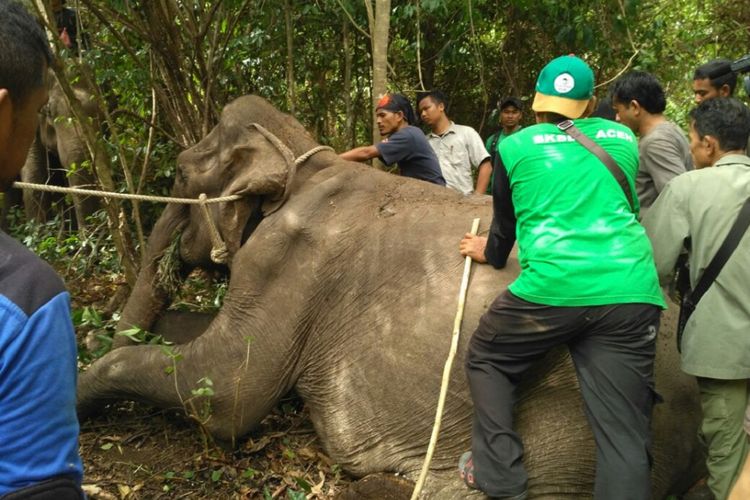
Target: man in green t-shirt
pixel 511 111
pixel 587 280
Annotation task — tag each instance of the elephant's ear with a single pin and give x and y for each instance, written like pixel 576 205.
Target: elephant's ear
pixel 258 164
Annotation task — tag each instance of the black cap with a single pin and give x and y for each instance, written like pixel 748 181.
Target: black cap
pixel 510 101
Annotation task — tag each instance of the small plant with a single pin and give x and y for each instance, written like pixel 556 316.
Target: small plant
pixel 204 392
pixel 174 357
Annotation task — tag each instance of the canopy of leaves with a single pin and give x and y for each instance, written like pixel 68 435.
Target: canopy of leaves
pixel 166 68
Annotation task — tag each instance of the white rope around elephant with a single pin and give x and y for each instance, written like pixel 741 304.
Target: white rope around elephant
pixel 121 196
pixel 145 197
pixel 219 253
pixel 446 371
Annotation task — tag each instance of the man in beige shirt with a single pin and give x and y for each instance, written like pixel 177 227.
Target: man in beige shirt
pixel 701 206
pixel 458 147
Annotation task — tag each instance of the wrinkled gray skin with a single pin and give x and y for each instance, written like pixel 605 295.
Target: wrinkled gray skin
pixel 58 146
pixel 348 294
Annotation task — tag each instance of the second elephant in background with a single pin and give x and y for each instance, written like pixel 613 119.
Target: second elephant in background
pixel 59 155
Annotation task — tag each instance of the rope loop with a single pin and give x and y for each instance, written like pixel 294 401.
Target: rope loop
pixel 219 252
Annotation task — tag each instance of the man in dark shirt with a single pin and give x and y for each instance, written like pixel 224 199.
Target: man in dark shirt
pixel 511 112
pixel 405 144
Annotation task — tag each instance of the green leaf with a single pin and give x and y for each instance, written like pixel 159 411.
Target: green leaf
pixel 216 475
pixel 107 446
pixel 249 473
pixel 135 334
pixel 303 484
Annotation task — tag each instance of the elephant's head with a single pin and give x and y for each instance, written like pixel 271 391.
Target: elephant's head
pixel 239 157
pixel 250 154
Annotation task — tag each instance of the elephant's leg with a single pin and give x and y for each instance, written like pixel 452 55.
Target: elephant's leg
pixel 181 327
pixel 85 206
pixel 35 170
pixel 150 297
pixel 144 373
pixel 73 159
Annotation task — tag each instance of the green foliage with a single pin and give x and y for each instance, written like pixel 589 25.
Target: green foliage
pixel 205 388
pixel 201 292
pixel 174 358
pixel 90 320
pixel 140 336
pixel 57 242
pixel 191 60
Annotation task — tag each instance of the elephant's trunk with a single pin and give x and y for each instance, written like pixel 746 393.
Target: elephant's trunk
pixel 150 295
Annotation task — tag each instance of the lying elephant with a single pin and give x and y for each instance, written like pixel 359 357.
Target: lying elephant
pixel 344 283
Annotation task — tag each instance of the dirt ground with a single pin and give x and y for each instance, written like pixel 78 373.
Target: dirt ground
pixel 132 451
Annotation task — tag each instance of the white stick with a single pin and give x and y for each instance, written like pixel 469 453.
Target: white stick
pixel 446 371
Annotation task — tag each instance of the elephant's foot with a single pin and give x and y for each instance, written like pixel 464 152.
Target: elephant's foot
pixel 378 487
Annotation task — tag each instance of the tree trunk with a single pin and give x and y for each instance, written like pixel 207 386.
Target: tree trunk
pixel 379 27
pixel 290 92
pixel 348 59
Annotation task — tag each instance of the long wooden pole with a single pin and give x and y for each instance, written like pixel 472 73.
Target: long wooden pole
pixel 446 371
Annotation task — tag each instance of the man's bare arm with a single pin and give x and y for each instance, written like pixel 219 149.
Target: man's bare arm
pixel 483 177
pixel 362 153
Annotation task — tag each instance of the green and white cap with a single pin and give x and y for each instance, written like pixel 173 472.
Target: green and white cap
pixel 564 86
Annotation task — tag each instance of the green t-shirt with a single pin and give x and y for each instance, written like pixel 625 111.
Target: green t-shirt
pixel 579 243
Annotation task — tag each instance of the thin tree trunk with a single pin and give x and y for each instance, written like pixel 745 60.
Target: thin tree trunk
pixel 90 133
pixel 348 59
pixel 290 92
pixel 379 27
